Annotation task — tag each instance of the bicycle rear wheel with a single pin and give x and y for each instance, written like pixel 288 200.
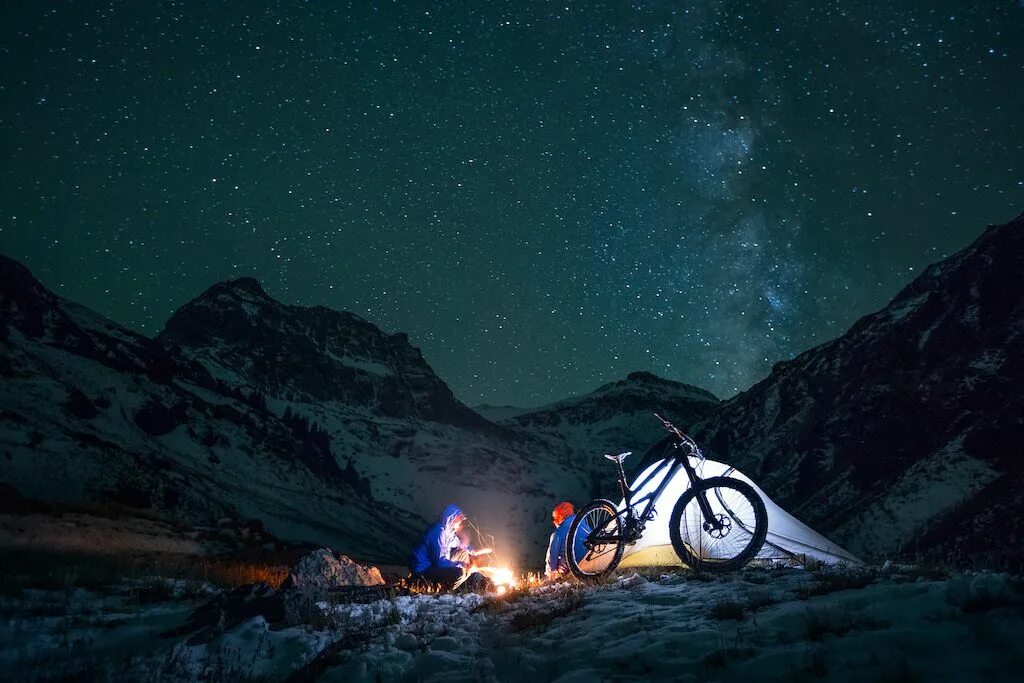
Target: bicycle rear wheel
pixel 731 538
pixel 594 544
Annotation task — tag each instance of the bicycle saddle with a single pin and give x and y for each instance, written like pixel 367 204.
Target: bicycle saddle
pixel 620 457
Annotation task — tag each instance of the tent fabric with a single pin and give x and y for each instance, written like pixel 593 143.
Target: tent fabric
pixel 788 538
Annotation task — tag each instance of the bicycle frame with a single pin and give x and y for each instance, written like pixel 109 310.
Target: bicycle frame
pixel 633 525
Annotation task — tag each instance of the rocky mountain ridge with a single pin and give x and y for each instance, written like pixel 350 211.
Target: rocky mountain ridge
pixel 904 435
pixel 615 417
pixel 91 412
pixel 311 354
pixel 310 421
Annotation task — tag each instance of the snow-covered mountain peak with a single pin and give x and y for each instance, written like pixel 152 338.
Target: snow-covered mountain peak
pixel 643 380
pixel 18 275
pixel 297 353
pixel 639 392
pixel 248 285
pixel 616 416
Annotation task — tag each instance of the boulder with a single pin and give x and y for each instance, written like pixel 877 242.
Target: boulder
pixel 321 576
pixel 322 571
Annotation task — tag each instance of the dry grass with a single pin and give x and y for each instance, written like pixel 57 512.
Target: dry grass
pixel 51 570
pixel 755 600
pixel 231 573
pixel 726 609
pixel 837 622
pixel 739 648
pixel 830 580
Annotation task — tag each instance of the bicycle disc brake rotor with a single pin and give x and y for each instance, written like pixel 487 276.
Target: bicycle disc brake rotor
pixel 721 527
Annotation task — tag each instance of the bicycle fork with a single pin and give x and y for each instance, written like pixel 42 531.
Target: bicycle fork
pixel 710 520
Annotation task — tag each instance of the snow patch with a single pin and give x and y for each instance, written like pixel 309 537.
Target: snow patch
pixel 363 364
pixel 931 486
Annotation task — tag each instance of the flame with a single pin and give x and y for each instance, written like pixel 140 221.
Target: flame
pixel 503 578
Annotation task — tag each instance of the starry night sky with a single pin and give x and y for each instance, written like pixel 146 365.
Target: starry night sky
pixel 545 196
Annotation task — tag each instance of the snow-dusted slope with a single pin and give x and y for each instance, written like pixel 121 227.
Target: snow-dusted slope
pixel 390 418
pixel 905 434
pixel 310 420
pixel 616 417
pixel 91 412
pixel 849 626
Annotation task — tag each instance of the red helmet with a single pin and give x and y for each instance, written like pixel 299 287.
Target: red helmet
pixel 561 511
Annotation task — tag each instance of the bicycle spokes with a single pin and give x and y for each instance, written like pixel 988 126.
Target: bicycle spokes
pixel 726 532
pixel 599 536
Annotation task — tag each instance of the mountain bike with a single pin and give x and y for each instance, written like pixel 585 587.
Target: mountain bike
pixel 717 525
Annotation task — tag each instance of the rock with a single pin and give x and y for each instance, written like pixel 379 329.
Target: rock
pixel 407 642
pixel 630 581
pixel 317 578
pixel 446 643
pixel 228 609
pixel 994 588
pixel 322 571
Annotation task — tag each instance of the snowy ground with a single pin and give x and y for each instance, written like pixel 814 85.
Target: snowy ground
pixel 897 624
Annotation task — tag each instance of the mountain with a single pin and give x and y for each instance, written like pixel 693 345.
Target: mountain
pixel 499 413
pixel 615 417
pixel 388 416
pixel 91 412
pixel 903 435
pixel 313 422
pixel 311 355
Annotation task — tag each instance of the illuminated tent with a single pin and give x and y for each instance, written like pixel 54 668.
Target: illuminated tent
pixel 788 538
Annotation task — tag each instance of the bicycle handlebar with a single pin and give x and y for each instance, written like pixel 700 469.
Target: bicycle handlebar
pixel 679 434
pixel 672 429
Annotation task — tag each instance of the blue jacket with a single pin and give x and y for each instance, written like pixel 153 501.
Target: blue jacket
pixel 557 561
pixel 437 544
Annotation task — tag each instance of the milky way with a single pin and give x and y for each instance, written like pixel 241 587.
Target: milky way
pixel 545 196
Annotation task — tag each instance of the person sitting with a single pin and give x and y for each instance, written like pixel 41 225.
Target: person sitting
pixel 557 564
pixel 443 554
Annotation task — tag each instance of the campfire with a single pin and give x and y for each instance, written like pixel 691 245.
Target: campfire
pixel 503 578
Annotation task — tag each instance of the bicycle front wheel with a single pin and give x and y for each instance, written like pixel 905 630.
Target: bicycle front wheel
pixel 594 544
pixel 727 539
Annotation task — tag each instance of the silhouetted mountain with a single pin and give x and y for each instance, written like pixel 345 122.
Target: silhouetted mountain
pixel 390 420
pixel 903 435
pixel 92 412
pixel 313 422
pixel 311 354
pixel 615 417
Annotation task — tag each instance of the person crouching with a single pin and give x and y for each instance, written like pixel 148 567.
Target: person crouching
pixel 442 556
